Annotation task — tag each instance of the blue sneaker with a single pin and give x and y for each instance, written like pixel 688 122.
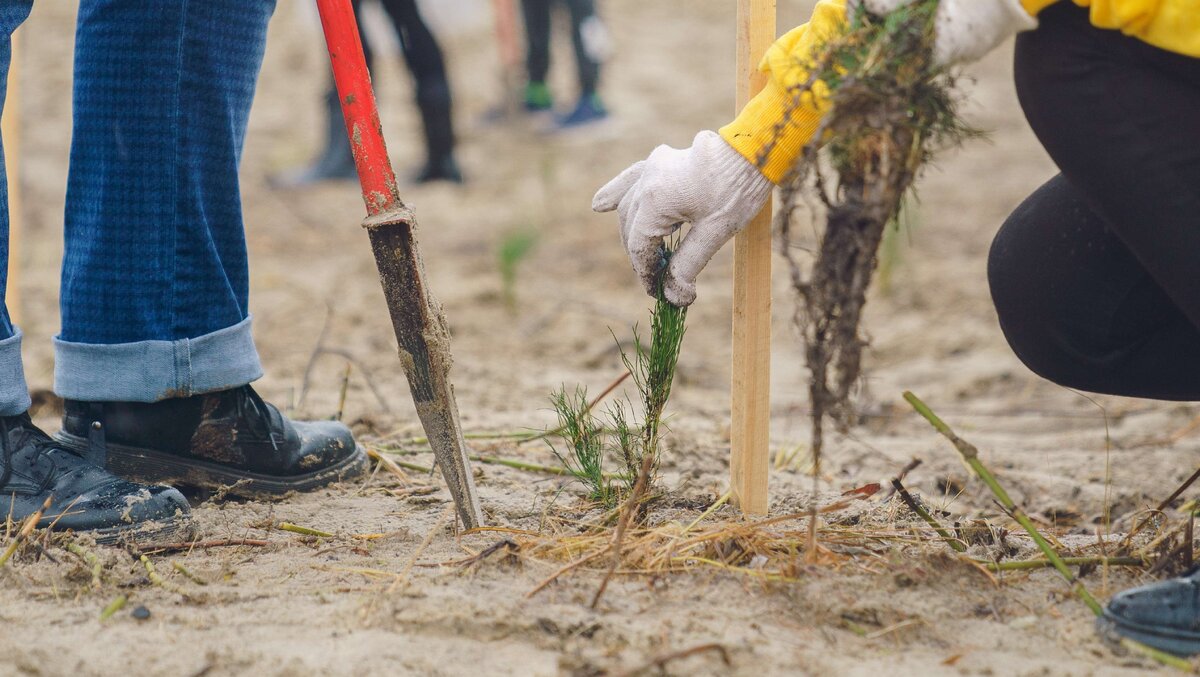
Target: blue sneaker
pixel 589 111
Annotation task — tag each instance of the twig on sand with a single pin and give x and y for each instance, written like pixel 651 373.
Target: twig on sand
pixel 26 529
pixel 660 662
pixel 319 349
pixel 1026 564
pixel 390 465
pixel 1162 507
pixel 502 544
pixel 564 569
pixel 915 506
pixel 158 580
pixel 113 607
pixel 970 454
pixel 90 558
pixel 627 512
pixel 303 531
pixel 187 574
pixel 402 579
pixel 202 545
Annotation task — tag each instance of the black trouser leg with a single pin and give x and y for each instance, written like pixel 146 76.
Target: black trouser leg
pixel 1096 277
pixel 587 55
pixel 424 58
pixel 537 38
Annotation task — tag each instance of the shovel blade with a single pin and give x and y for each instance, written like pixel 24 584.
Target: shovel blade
pixel 424 341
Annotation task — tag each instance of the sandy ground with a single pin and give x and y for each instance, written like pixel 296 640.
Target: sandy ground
pixel 297 607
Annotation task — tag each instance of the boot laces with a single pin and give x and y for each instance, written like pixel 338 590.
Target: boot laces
pixel 29 434
pixel 262 418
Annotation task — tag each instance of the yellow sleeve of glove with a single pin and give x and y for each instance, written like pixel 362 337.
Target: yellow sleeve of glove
pixel 753 133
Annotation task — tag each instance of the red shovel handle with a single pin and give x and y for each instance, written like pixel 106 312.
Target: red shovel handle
pixel 358 106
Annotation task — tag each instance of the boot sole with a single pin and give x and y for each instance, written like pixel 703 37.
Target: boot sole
pixel 148 465
pixel 156 532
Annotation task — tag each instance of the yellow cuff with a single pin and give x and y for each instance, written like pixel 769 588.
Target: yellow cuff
pixel 772 130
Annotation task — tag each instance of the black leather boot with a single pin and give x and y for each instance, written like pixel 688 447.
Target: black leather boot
pixel 336 161
pixel 1164 615
pixel 84 496
pixel 230 438
pixel 437 119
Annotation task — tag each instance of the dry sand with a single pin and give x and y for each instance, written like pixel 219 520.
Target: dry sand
pixel 296 607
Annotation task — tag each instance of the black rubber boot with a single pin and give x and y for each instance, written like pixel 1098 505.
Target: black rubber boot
pixel 84 496
pixel 230 439
pixel 437 119
pixel 1164 615
pixel 336 162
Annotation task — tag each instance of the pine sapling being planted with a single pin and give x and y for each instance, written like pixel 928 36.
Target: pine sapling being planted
pixel 616 434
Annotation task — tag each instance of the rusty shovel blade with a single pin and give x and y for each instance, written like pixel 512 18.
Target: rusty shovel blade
pixel 424 341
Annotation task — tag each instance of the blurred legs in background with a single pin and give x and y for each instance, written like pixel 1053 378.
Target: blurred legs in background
pixel 591 43
pixel 424 59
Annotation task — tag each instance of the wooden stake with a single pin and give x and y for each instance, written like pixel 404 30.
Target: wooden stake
pixel 751 411
pixel 10 124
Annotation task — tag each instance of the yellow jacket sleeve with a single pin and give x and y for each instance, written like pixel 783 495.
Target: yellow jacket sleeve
pixel 1173 25
pixel 771 137
pixel 754 133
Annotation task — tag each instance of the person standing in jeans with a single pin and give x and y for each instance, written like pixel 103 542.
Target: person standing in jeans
pixel 155 355
pixel 590 38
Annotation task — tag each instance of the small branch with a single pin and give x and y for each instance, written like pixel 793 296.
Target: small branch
pixel 916 507
pixel 971 455
pixel 1024 565
pixel 202 545
pixel 304 531
pixel 661 661
pixel 26 529
pixel 627 512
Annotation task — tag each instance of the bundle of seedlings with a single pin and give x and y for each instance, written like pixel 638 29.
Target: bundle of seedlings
pixel 890 108
pixel 591 438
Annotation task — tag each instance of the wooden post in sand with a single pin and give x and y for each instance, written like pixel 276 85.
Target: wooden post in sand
pixel 10 131
pixel 749 453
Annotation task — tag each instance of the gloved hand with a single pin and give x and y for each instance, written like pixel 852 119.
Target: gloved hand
pixel 709 185
pixel 966 29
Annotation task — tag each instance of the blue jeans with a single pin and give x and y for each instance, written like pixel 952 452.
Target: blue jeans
pixel 155 280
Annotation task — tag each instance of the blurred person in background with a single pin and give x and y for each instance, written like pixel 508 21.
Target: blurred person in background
pixel 591 42
pixel 155 355
pixel 1095 277
pixel 424 58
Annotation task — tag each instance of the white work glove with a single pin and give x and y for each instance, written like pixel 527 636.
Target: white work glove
pixel 709 185
pixel 966 29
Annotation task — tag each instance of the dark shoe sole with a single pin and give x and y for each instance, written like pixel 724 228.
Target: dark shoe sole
pixel 155 467
pixel 157 532
pixel 1173 641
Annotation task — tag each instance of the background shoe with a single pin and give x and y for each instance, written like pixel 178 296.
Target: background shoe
pixel 433 100
pixel 538 98
pixel 589 110
pixel 86 498
pixel 1164 615
pixel 336 161
pixel 230 438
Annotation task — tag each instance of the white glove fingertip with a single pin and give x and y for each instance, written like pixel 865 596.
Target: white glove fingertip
pixel 611 194
pixel 679 292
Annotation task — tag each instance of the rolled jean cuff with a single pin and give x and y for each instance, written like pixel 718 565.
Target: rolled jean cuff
pixel 149 371
pixel 14 394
